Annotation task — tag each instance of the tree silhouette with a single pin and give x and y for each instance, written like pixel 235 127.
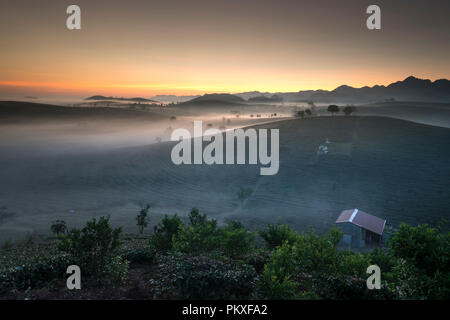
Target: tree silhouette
pixel 333 108
pixel 348 110
pixel 142 218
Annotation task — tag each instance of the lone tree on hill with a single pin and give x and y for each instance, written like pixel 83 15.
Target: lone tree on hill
pixel 142 218
pixel 333 108
pixel 348 110
pixel 59 227
pixel 243 194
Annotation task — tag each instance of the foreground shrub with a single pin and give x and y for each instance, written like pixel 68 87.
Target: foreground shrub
pixel 204 277
pixel 312 266
pixel 34 272
pixel 200 236
pixel 92 247
pixel 276 235
pixel 271 287
pixel 257 258
pixel 235 240
pixel 203 235
pixel 116 271
pixel 164 232
pixel 344 287
pixel 422 262
pixel 424 247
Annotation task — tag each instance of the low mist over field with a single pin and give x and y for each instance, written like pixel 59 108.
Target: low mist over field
pixel 74 163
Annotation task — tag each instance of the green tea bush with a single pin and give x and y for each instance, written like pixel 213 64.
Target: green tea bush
pixel 34 272
pixel 204 277
pixel 273 288
pixel 257 258
pixel 116 271
pixel 162 238
pixel 203 236
pixel 422 262
pixel 92 247
pixel 313 264
pixel 275 235
pixel 235 240
pixel 199 237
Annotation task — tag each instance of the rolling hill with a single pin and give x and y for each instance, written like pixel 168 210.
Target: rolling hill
pixel 391 168
pixel 18 112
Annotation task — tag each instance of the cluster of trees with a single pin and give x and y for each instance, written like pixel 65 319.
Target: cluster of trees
pixel 303 113
pixel 348 110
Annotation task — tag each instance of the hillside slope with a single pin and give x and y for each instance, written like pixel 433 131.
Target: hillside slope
pixel 391 168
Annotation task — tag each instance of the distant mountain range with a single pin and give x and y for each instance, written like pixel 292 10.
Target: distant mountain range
pixel 410 89
pixel 173 98
pixel 137 99
pixel 216 99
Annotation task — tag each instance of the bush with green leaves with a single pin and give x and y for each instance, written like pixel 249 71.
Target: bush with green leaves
pixel 309 262
pixel 422 268
pixel 277 281
pixel 235 240
pixel 203 235
pixel 34 272
pixel 92 247
pixel 257 258
pixel 164 232
pixel 116 270
pixel 204 277
pixel 200 236
pixel 276 234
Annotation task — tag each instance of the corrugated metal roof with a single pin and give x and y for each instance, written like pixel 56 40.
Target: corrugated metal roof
pixel 363 220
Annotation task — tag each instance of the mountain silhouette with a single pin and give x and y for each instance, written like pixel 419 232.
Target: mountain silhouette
pixel 410 89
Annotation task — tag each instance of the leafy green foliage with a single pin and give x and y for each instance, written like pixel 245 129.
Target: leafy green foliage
pixel 272 287
pixel 92 247
pixel 162 238
pixel 276 235
pixel 235 240
pixel 422 268
pixel 203 260
pixel 203 235
pixel 203 277
pixel 34 272
pixel 311 264
pixel 116 271
pixel 199 237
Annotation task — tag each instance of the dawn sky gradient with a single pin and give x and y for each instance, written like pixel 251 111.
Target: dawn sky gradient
pixel 142 48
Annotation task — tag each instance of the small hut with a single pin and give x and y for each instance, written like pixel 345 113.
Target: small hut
pixel 360 229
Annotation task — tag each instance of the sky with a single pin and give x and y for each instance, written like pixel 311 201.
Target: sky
pixel 183 47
